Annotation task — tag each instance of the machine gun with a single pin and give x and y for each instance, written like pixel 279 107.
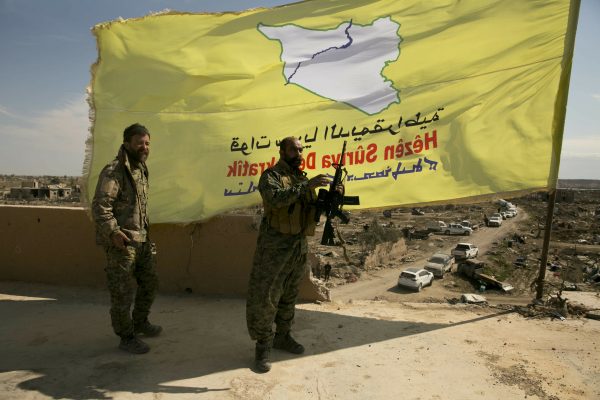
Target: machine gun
pixel 330 202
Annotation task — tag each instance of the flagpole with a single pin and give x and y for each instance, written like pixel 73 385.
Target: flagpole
pixel 546 245
pixel 558 126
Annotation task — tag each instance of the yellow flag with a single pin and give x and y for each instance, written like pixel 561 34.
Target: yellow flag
pixel 436 100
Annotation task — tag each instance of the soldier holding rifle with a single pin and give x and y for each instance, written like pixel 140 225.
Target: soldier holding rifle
pixel 290 214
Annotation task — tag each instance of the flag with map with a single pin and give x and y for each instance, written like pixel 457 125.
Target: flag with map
pixel 436 101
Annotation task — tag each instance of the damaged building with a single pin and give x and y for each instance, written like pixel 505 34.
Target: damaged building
pixel 32 190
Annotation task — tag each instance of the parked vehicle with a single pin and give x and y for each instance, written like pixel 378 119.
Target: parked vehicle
pixel 497 215
pixel 457 229
pixel 502 203
pixel 439 264
pixel 469 224
pixel 411 233
pixel 436 226
pixel 495 221
pixel 465 250
pixel 417 211
pixel 415 278
pixel 509 207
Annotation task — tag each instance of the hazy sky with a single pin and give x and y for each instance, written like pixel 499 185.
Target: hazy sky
pixel 46 50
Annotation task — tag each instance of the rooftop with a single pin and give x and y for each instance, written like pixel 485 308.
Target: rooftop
pixel 57 343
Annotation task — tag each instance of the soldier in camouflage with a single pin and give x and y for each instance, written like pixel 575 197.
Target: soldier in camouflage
pixel 119 211
pixel 280 258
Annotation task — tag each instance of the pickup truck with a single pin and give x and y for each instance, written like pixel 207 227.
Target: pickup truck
pixel 439 264
pixel 465 250
pixel 468 224
pixel 436 226
pixel 457 229
pixel 495 221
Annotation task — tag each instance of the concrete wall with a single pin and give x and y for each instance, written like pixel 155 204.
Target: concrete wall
pixel 57 245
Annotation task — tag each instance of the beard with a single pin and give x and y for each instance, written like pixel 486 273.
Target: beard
pixel 139 156
pixel 294 162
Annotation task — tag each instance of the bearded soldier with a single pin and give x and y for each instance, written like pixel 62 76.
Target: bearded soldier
pixel 119 211
pixel 280 259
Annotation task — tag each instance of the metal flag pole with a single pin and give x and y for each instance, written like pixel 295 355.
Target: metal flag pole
pixel 558 126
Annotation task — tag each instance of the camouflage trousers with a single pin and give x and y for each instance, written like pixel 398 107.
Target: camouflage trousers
pixel 124 266
pixel 273 290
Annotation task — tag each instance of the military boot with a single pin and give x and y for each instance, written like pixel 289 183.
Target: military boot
pixel 285 341
pixel 147 329
pixel 133 345
pixel 261 356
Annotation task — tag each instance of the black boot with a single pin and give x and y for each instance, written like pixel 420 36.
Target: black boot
pixel 285 341
pixel 147 329
pixel 133 345
pixel 261 356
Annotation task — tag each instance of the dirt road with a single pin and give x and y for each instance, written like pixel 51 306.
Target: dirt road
pixel 382 284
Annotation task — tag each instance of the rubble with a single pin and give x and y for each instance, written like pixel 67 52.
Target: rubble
pixel 593 315
pixel 471 298
pixel 513 258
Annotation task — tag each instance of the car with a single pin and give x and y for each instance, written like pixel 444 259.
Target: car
pixel 465 250
pixel 415 278
pixel 495 221
pixel 509 214
pixel 439 263
pixel 457 229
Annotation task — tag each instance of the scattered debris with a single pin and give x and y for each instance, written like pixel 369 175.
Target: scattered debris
pixel 521 262
pixel 594 314
pixel 474 269
pixel 471 298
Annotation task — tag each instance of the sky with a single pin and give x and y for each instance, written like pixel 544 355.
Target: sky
pixel 47 48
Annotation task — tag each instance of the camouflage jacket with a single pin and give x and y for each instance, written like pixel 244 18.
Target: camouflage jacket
pixel 118 204
pixel 283 188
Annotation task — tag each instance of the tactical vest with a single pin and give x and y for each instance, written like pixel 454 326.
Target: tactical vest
pixel 299 217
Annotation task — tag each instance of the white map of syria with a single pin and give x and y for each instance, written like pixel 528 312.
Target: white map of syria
pixel 344 64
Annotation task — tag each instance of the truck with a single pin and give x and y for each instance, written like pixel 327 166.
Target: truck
pixel 495 221
pixel 469 224
pixel 439 264
pixel 457 229
pixel 436 226
pixel 465 251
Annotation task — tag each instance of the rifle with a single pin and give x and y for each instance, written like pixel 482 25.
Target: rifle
pixel 331 202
